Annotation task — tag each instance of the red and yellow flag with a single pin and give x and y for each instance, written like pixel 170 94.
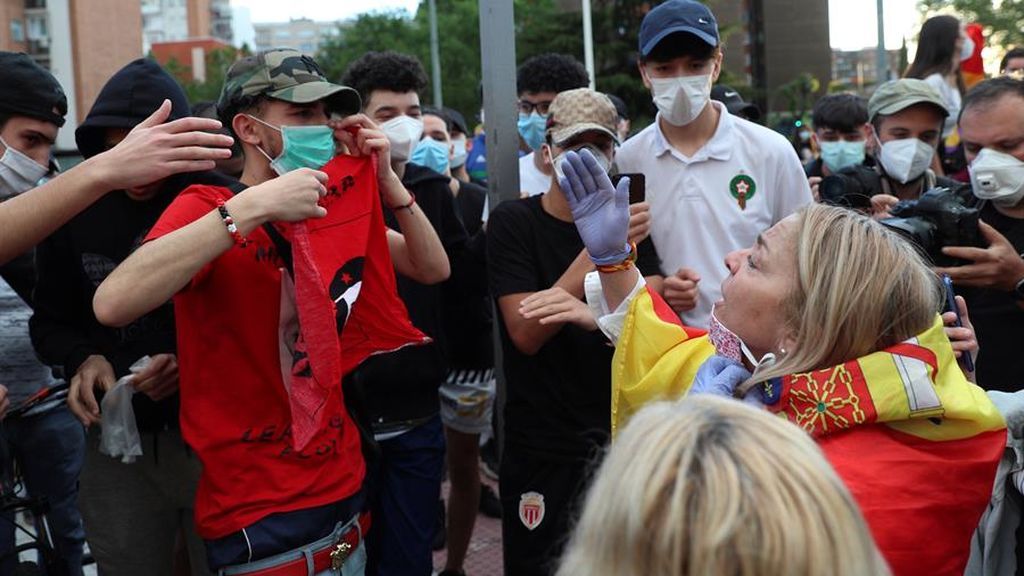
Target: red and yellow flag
pixel 914 441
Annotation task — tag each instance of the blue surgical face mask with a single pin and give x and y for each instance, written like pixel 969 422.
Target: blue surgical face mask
pixel 841 154
pixel 531 128
pixel 459 153
pixel 432 154
pixel 303 147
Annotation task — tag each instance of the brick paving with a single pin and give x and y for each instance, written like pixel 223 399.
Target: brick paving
pixel 484 555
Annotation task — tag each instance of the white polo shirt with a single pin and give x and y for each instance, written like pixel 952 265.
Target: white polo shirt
pixel 741 182
pixel 531 180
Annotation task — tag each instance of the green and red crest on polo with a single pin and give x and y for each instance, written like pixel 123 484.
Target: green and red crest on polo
pixel 742 188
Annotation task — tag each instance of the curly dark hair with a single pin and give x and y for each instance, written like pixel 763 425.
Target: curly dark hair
pixel 551 73
pixel 385 71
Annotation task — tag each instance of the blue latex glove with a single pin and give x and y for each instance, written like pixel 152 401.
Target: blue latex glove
pixel 720 376
pixel 601 211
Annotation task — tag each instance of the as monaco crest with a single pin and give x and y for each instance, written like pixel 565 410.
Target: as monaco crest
pixel 531 509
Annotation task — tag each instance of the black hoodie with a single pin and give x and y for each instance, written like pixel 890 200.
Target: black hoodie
pixel 73 262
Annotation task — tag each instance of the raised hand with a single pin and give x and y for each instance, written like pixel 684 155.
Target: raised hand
pixel 154 150
pixel 600 210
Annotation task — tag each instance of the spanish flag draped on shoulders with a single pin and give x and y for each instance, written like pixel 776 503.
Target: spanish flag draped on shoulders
pixel 915 442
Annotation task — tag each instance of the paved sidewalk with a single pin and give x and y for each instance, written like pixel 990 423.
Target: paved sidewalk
pixel 484 556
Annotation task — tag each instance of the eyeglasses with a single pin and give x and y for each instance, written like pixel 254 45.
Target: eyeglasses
pixel 527 107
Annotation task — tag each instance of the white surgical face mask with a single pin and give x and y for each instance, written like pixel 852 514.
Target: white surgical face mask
pixel 602 159
pixel 459 154
pixel 905 160
pixel 728 344
pixel 18 172
pixel 997 177
pixel 681 99
pixel 404 133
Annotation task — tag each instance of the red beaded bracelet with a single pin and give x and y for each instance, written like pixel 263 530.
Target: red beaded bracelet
pixel 230 223
pixel 412 202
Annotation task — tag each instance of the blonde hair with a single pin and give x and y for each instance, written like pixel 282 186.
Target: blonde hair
pixel 860 287
pixel 711 486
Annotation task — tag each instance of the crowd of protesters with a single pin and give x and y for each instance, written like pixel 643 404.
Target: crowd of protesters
pixel 714 360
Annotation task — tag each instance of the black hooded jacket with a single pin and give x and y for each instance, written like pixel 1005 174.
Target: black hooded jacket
pixel 73 262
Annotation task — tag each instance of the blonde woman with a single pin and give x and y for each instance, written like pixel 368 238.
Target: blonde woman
pixel 710 486
pixel 830 320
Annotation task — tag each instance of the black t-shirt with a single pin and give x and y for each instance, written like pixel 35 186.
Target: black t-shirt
pixel 558 401
pixel 997 320
pixel 436 201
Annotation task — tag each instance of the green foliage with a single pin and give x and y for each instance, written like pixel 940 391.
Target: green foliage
pixel 1002 19
pixel 799 93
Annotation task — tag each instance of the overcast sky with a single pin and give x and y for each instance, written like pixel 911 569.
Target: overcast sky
pixel 853 22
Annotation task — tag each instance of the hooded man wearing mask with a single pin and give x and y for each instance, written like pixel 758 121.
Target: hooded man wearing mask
pixel 714 180
pixel 135 512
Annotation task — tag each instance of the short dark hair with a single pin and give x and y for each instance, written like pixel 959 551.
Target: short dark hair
pixel 844 112
pixel 989 91
pixel 1013 53
pixel 440 114
pixel 389 70
pixel 551 73
pixel 247 104
pixel 678 44
pixel 4 117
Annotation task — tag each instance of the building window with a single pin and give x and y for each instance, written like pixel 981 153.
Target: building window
pixel 36 28
pixel 17 31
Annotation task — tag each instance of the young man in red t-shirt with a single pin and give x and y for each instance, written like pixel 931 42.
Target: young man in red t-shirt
pixel 261 503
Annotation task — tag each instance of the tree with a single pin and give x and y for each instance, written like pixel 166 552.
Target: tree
pixel 541 26
pixel 1002 20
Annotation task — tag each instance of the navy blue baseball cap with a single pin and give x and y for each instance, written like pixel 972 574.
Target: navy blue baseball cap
pixel 677 16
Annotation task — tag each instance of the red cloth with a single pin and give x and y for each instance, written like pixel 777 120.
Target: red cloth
pixel 922 499
pixel 338 260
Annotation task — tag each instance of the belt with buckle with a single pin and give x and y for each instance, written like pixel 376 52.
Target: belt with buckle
pixel 328 556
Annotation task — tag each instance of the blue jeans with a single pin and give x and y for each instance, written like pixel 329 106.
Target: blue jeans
pixel 280 533
pixel 406 485
pixel 50 450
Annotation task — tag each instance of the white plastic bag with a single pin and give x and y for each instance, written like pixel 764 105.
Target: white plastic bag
pixel 119 436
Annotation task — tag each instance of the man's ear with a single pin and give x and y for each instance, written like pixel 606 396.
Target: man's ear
pixel 245 129
pixel 717 66
pixel 469 144
pixel 643 75
pixel 815 147
pixel 547 155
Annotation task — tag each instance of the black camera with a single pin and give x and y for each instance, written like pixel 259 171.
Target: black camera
pixel 851 187
pixel 938 218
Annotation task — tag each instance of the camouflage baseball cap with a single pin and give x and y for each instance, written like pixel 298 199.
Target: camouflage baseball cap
pixel 574 112
pixel 284 74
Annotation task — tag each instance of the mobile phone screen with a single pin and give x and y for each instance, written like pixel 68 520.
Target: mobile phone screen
pixel 637 186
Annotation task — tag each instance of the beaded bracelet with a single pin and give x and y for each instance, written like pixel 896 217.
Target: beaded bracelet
pixel 624 265
pixel 230 223
pixel 412 202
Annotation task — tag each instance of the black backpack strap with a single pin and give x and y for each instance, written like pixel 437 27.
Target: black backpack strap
pixel 284 247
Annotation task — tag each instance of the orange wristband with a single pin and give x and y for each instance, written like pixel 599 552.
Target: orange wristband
pixel 624 265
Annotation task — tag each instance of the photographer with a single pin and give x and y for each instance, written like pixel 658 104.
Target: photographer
pixel 906 116
pixel 992 282
pixel 841 133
